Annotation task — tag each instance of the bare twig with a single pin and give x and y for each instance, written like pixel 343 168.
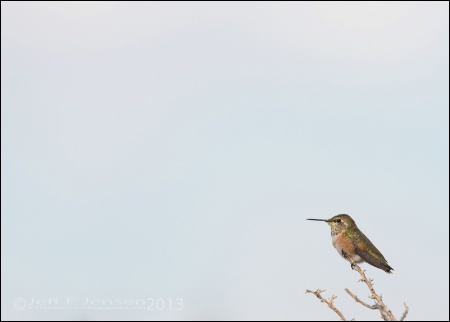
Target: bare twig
pixel 386 313
pixel 379 305
pixel 404 313
pixel 329 302
pixel 372 307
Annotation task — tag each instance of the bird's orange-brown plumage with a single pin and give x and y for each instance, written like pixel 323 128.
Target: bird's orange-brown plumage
pixel 346 247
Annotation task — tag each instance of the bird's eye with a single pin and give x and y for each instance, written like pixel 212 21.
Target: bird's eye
pixel 338 220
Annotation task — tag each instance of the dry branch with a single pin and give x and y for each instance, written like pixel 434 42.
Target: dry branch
pixel 386 313
pixel 329 302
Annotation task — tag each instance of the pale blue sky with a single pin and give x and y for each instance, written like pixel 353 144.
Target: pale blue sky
pixel 174 151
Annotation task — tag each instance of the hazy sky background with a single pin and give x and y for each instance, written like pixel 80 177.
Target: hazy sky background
pixel 174 151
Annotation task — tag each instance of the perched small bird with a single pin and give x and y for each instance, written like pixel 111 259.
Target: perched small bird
pixel 349 241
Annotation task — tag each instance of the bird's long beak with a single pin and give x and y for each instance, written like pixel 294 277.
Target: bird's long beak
pixel 318 219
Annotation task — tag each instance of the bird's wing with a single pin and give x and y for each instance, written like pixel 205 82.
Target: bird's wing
pixel 372 260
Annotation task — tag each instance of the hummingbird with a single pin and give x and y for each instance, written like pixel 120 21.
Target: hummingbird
pixel 349 241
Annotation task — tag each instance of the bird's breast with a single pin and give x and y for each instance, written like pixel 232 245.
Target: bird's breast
pixel 345 247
